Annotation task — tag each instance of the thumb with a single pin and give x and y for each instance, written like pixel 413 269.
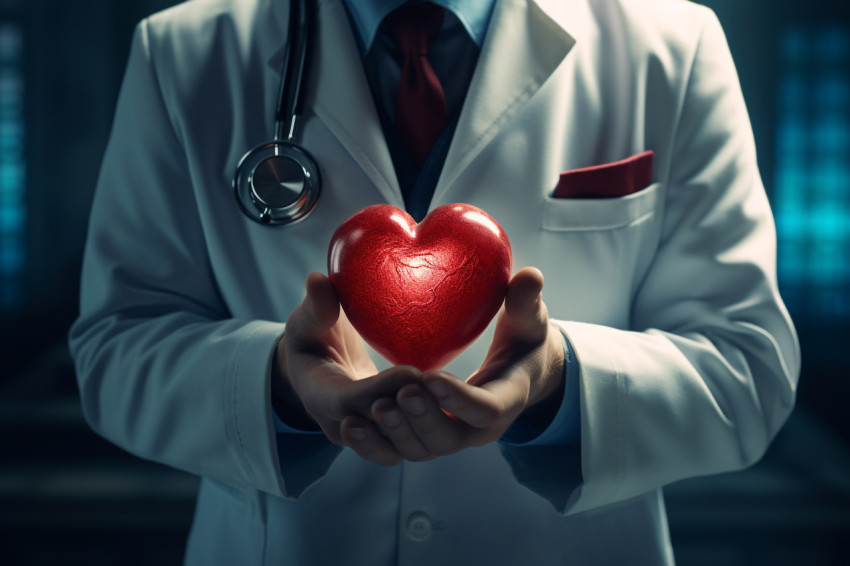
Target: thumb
pixel 319 310
pixel 525 315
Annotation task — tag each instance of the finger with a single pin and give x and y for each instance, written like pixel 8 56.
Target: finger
pixel 358 396
pixel 438 432
pixel 330 394
pixel 316 313
pixel 320 308
pixel 362 437
pixel 492 404
pixel 525 313
pixel 396 429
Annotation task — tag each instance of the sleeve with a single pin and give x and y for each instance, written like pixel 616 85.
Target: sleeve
pixel 707 373
pixel 163 370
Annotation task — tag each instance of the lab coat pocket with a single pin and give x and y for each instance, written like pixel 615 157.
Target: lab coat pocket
pixel 583 214
pixel 605 246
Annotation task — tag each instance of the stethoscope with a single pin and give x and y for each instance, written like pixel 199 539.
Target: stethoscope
pixel 277 182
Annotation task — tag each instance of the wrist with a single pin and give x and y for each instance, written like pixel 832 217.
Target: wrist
pixel 551 374
pixel 285 401
pixel 546 400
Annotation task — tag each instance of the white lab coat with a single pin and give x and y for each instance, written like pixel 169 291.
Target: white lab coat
pixel 688 359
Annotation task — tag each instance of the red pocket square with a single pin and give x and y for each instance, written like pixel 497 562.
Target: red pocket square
pixel 616 179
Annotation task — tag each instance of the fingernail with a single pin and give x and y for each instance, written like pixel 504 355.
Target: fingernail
pixel 438 389
pixel 414 405
pixel 357 434
pixel 391 419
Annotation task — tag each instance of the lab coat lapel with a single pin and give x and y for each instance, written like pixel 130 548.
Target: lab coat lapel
pixel 525 43
pixel 339 96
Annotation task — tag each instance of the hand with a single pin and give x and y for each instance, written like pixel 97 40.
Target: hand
pixel 322 373
pixel 522 372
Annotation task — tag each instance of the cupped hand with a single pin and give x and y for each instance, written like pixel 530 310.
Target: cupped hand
pixel 521 373
pixel 323 376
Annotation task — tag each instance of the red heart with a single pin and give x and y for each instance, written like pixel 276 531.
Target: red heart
pixel 420 293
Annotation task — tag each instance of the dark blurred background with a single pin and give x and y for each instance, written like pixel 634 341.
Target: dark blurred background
pixel 68 497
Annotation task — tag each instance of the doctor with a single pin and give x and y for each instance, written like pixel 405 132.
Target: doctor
pixel 661 281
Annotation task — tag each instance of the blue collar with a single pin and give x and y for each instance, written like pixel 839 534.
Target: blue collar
pixel 366 15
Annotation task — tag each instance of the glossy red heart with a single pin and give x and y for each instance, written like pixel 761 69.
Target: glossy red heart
pixel 420 293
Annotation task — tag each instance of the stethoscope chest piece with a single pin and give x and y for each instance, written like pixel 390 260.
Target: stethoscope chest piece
pixel 277 183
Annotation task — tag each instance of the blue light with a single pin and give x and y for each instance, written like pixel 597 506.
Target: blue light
pixel 795 225
pixel 12 169
pixel 832 92
pixel 791 182
pixel 791 267
pixel 830 177
pixel 793 135
pixel 792 93
pixel 812 192
pixel 11 220
pixel 832 45
pixel 795 46
pixel 11 259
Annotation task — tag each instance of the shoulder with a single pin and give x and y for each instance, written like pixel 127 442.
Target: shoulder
pixel 657 13
pixel 205 56
pixel 671 28
pixel 199 17
pixel 653 42
pixel 197 27
pixel 199 43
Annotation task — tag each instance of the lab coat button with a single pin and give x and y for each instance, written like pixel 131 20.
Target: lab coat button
pixel 418 526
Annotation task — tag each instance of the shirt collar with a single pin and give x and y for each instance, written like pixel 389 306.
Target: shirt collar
pixel 366 15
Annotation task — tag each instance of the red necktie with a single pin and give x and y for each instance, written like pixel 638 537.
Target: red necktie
pixel 420 109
